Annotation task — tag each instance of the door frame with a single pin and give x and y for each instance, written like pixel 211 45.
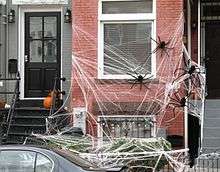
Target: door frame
pixel 21 41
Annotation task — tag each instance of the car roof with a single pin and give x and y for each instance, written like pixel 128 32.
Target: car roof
pixel 26 147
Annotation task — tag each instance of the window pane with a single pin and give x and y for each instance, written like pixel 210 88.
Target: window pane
pixel 137 6
pixel 36 27
pixel 127 47
pixel 43 164
pixel 50 27
pixel 50 51
pixel 36 51
pixel 17 161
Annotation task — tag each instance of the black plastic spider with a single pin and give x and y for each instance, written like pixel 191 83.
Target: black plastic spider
pixel 162 45
pixel 189 72
pixel 180 102
pixel 139 79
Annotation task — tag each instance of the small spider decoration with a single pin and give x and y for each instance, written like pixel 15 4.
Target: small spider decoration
pixel 140 79
pixel 162 45
pixel 192 73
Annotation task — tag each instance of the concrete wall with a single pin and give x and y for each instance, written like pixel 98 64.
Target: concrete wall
pixel 10 45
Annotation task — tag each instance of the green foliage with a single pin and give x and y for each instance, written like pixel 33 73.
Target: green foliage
pixel 141 155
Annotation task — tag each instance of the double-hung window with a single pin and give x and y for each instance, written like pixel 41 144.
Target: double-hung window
pixel 125 45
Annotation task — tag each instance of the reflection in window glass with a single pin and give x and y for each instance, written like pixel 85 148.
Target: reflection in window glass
pixel 17 161
pixel 50 27
pixel 117 7
pixel 50 51
pixel 43 164
pixel 127 44
pixel 36 51
pixel 35 27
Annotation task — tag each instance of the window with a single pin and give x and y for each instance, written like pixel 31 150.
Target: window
pixel 125 126
pixel 24 161
pixel 43 164
pixel 125 31
pixel 17 161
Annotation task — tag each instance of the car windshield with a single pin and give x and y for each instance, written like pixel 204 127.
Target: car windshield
pixel 75 159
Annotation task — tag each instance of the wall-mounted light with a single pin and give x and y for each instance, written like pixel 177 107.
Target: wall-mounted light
pixel 67 16
pixel 11 16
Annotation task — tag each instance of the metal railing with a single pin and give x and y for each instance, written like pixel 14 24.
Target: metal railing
pixel 208 164
pixel 15 98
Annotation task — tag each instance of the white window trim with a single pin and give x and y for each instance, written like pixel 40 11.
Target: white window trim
pixel 124 18
pixel 100 130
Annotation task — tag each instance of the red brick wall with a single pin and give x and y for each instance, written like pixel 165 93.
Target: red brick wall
pixel 85 45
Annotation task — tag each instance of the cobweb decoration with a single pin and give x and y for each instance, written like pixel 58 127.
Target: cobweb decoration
pixel 127 99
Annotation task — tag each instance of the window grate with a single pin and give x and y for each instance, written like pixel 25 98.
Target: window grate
pixel 131 127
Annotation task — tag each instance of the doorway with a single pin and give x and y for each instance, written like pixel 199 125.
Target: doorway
pixel 212 58
pixel 42 52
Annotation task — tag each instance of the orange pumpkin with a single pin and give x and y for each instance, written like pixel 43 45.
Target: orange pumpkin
pixel 49 99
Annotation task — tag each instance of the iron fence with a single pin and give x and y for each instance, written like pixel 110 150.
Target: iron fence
pixel 209 164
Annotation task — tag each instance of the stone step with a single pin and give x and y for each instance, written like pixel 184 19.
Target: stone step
pixel 211 143
pixel 211 132
pixel 29 103
pixel 29 121
pixel 212 102
pixel 212 122
pixel 29 129
pixel 212 113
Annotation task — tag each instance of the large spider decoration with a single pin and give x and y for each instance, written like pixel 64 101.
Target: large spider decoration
pixel 180 102
pixel 140 79
pixel 162 45
pixel 192 73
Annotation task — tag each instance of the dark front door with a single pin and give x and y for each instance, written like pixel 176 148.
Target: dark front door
pixel 42 52
pixel 212 47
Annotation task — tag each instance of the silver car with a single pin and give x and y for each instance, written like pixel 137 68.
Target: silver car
pixel 36 159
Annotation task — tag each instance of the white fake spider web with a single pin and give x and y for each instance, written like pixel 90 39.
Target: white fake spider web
pixel 125 108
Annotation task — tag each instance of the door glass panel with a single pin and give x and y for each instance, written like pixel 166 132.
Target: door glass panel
pixel 36 51
pixel 50 51
pixel 43 164
pixel 36 27
pixel 17 161
pixel 50 27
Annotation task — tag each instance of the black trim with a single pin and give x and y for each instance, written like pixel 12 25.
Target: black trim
pixel 42 66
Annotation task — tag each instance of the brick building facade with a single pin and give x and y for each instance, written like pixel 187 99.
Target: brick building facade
pixel 94 23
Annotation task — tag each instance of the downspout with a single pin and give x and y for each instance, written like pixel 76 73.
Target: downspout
pixel 6 44
pixel 189 53
pixel 202 68
pixel 199 33
pixel 1 57
pixel 189 27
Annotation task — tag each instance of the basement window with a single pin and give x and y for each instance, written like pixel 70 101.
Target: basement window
pixel 125 126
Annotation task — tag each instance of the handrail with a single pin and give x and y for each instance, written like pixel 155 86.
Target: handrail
pixel 10 79
pixel 15 97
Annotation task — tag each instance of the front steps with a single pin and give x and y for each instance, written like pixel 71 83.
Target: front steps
pixel 26 121
pixel 29 117
pixel 211 128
